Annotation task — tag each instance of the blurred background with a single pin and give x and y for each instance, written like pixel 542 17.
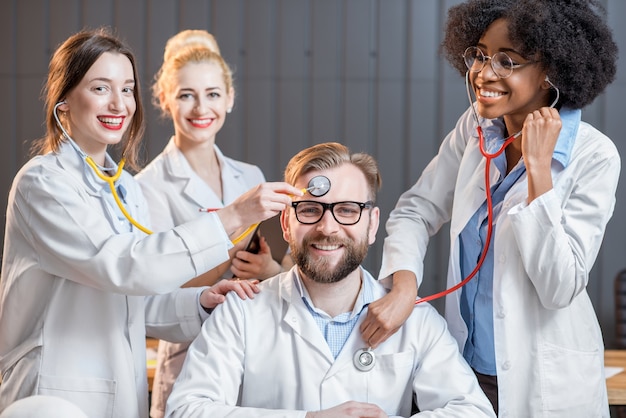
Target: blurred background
pixel 366 73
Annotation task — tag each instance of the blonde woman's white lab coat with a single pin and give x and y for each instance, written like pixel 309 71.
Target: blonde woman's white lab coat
pixel 548 343
pixel 78 294
pixel 175 193
pixel 266 357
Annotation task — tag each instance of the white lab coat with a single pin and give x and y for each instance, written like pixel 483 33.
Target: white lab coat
pixel 268 356
pixel 78 294
pixel 548 343
pixel 175 193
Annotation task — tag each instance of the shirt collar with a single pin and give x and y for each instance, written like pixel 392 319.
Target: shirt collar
pixel 493 131
pixel 365 297
pixel 178 166
pixel 570 121
pixel 72 156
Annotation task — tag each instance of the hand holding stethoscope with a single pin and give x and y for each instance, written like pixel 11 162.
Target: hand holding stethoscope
pixel 534 133
pixel 539 136
pixel 257 204
pixel 254 206
pixel 540 132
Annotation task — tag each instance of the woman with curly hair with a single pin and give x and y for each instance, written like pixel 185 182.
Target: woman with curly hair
pixel 528 189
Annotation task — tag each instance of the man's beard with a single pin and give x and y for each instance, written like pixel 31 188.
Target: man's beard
pixel 319 269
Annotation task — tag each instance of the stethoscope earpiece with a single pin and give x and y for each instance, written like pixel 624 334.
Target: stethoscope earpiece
pixel 556 90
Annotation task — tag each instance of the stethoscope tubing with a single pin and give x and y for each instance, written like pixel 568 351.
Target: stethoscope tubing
pixel 110 180
pixel 483 255
pixel 488 158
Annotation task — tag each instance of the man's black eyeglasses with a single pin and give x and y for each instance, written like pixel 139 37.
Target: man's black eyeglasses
pixel 346 213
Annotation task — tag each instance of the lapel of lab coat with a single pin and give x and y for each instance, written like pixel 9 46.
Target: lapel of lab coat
pixel 299 319
pixel 355 342
pixel 74 164
pixel 194 188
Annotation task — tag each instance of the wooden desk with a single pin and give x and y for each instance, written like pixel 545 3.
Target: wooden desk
pixel 152 344
pixel 616 385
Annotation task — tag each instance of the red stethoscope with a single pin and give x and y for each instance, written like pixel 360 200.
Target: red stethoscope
pixel 488 157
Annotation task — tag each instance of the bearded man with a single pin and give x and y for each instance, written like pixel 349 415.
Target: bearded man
pixel 295 350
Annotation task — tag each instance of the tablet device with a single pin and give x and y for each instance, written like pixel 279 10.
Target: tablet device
pixel 273 233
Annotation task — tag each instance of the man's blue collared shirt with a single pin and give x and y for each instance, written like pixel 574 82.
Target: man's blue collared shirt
pixel 336 330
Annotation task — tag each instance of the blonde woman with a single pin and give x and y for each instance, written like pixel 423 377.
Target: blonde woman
pixel 194 87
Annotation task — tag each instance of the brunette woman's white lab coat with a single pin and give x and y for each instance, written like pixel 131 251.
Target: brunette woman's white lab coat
pixel 175 193
pixel 266 357
pixel 548 343
pixel 78 292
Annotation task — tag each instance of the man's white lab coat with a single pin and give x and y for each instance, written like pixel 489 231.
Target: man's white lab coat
pixel 268 356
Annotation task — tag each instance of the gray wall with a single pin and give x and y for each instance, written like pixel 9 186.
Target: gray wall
pixel 363 72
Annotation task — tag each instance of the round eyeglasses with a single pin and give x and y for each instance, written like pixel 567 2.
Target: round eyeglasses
pixel 346 213
pixel 501 64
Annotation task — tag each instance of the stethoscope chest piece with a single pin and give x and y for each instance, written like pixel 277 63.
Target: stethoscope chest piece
pixel 364 359
pixel 318 186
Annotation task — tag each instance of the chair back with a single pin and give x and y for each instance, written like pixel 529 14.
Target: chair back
pixel 620 309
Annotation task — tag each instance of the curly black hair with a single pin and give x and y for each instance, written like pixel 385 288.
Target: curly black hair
pixel 569 37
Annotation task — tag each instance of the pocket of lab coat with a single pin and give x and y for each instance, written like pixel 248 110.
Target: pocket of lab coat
pixel 390 381
pixel 572 381
pixel 94 396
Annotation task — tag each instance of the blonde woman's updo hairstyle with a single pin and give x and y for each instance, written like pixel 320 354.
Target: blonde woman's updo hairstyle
pixel 188 46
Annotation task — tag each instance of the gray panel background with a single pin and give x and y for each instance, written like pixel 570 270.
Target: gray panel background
pixel 363 72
